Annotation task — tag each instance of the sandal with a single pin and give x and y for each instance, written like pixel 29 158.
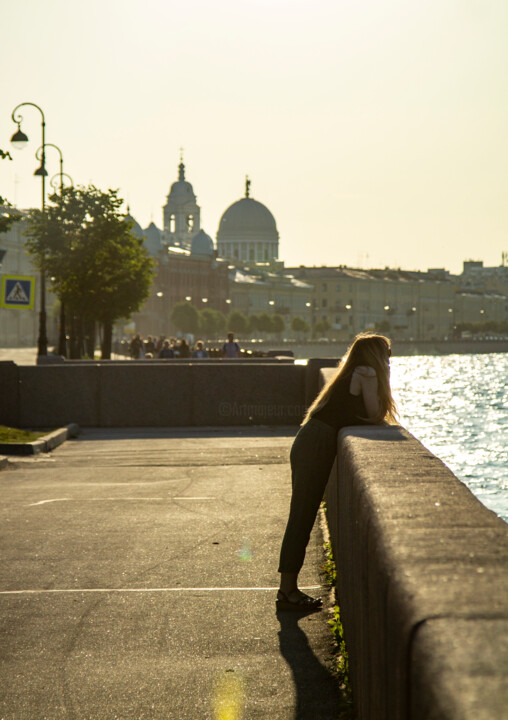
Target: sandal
pixel 304 603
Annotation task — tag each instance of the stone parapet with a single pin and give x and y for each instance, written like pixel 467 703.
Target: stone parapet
pixel 152 394
pixel 422 582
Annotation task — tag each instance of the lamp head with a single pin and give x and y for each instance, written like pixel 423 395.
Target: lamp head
pixel 41 172
pixel 19 139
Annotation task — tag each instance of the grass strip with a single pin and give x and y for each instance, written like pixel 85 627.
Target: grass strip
pixel 340 660
pixel 14 435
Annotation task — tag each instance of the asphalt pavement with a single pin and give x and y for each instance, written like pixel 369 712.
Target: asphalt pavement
pixel 139 574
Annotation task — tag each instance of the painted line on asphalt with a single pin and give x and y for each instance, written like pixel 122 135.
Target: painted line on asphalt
pixel 43 502
pixel 114 499
pixel 54 591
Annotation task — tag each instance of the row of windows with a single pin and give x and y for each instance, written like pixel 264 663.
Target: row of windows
pixel 367 288
pixel 338 287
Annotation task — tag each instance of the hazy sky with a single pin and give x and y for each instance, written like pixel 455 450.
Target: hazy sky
pixel 376 131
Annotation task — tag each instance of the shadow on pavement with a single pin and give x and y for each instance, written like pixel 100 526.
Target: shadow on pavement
pixel 318 695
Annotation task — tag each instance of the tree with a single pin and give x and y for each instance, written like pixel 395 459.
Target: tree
pixel 265 323
pixel 237 322
pixel 8 215
pixel 99 269
pixel 211 322
pixel 186 317
pixel 253 325
pixel 278 325
pixel 298 325
pixel 221 322
pixel 321 327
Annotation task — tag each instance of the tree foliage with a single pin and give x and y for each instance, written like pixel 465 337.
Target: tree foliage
pixel 321 327
pixel 299 325
pixel 8 215
pixel 185 317
pixel 486 327
pixel 83 242
pixel 278 324
pixel 211 322
pixel 237 322
pixel 253 324
pixel 265 323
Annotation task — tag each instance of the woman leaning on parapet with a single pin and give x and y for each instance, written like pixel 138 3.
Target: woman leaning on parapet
pixel 358 394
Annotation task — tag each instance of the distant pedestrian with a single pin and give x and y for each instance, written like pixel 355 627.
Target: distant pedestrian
pixel 166 352
pixel 231 349
pixel 358 394
pixel 136 348
pixel 184 349
pixel 199 351
pixel 174 346
pixel 149 346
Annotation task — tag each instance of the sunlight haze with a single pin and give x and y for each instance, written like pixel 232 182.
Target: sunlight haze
pixel 374 130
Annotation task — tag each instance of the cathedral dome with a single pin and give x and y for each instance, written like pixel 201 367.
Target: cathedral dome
pixel 202 244
pixel 247 231
pixel 248 216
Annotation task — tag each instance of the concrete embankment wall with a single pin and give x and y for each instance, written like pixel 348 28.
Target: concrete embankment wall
pixel 400 348
pixel 155 394
pixel 422 582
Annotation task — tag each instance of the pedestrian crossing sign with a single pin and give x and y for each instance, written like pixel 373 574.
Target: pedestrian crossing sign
pixel 17 291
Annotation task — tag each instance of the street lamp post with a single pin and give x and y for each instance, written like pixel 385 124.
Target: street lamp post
pixel 62 335
pixel 452 318
pixel 18 140
pixel 349 308
pixel 40 155
pixel 60 176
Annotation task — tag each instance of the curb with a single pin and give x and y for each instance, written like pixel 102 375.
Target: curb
pixel 44 444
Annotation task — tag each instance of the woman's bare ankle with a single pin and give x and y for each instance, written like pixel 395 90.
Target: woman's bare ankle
pixel 288 583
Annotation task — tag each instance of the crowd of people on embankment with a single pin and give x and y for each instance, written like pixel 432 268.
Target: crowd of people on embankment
pixel 169 348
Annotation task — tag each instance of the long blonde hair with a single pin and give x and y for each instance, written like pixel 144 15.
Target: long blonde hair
pixel 366 349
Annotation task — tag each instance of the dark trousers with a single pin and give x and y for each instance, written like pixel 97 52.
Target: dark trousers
pixel 312 457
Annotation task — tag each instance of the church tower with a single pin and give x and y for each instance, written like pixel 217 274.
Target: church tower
pixel 181 212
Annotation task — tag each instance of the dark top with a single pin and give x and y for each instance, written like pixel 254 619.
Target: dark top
pixel 166 353
pixel 343 408
pixel 231 349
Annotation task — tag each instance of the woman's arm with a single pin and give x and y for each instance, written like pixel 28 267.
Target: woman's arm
pixel 364 380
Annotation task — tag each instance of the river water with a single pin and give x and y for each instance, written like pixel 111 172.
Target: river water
pixel 457 406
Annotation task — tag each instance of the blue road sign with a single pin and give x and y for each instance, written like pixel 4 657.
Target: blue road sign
pixel 18 291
